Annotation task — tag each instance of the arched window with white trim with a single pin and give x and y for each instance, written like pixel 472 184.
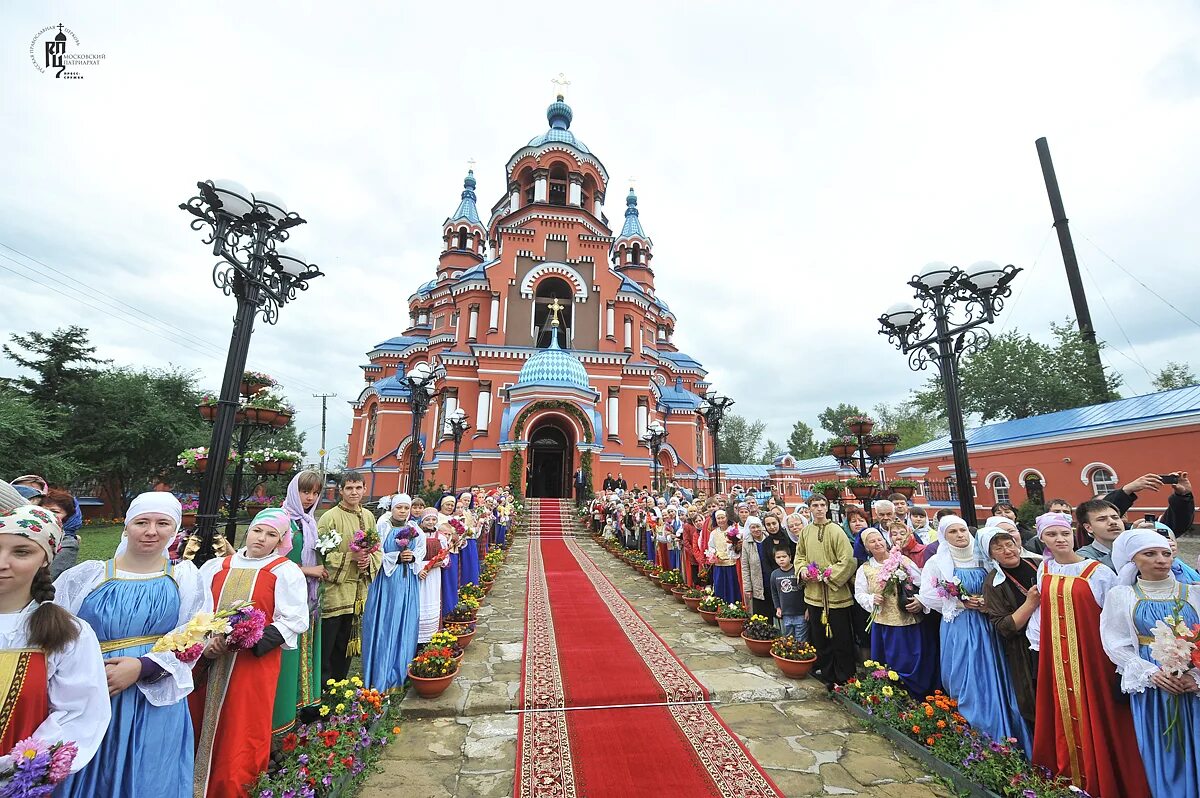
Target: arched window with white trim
pixel 1103 480
pixel 1000 488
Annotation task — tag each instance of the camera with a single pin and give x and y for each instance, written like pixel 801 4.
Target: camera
pixel 1169 479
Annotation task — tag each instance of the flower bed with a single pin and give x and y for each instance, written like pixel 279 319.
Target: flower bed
pixel 335 754
pixel 933 731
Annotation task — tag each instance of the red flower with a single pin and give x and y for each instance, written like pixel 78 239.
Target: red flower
pixel 330 737
pixel 348 761
pixel 290 742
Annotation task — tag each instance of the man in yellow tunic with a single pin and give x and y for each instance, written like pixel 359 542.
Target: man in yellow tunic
pixel 823 544
pixel 344 593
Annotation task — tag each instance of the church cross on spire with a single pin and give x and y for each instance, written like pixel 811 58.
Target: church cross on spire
pixel 555 307
pixel 561 83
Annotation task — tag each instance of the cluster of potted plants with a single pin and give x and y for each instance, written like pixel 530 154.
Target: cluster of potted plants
pixel 794 659
pixel 270 460
pixel 195 460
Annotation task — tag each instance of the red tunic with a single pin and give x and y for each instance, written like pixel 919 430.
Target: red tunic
pixel 23 683
pixel 1082 732
pixel 233 729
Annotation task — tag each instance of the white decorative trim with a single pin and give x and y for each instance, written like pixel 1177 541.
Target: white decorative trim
pixel 987 481
pixel 559 269
pixel 1027 472
pixel 1085 476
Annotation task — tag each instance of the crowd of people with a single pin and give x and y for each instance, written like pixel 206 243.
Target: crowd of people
pixel 170 678
pixel 1049 637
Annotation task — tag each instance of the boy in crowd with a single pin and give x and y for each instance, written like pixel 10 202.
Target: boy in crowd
pixel 788 596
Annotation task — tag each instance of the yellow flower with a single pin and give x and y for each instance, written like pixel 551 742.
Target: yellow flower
pixel 348 694
pixel 357 682
pixel 324 711
pixel 887 690
pixel 893 676
pixel 329 683
pixel 340 708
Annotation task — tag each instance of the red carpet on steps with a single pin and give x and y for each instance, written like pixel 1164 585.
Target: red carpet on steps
pixel 586 646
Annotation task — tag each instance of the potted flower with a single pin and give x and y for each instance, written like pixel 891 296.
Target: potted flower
pixel 208 406
pixel 843 447
pixel 862 488
pixel 732 619
pixel 448 640
pixel 194 460
pixel 691 598
pixel 759 633
pixel 795 659
pixel 463 612
pixel 255 381
pixel 471 590
pixel 709 606
pixel 273 461
pixel 266 407
pixel 190 508
pixel 830 489
pixel 432 670
pixel 905 487
pixel 859 425
pixel 463 632
pixel 882 445
pixel 672 581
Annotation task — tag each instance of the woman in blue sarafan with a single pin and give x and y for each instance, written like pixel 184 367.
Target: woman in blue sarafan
pixel 469 563
pixel 393 611
pixel 974 668
pixel 131 601
pixel 1148 592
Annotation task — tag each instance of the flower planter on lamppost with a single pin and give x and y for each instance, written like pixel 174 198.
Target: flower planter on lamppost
pixel 960 302
pixel 654 437
pixel 712 411
pixel 246 232
pixel 421 382
pixel 457 424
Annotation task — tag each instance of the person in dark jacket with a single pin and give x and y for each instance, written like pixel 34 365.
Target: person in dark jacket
pixel 1181 505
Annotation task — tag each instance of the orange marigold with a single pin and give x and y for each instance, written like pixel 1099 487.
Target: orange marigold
pixel 928 741
pixel 916 729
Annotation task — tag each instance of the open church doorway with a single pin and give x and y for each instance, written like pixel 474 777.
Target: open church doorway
pixel 550 461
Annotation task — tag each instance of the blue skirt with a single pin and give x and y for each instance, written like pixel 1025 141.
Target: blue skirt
pixel 469 565
pixel 725 583
pixel 389 628
pixel 902 649
pixel 501 533
pixel 450 584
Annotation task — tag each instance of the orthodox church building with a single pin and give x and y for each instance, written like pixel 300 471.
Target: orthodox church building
pixel 552 337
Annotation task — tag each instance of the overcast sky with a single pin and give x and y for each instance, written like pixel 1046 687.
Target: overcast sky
pixel 795 164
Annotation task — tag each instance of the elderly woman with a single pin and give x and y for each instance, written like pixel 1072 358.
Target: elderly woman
pixel 1010 598
pixel 757 565
pixel 1161 698
pixel 469 563
pixel 908 542
pixel 896 621
pixel 391 617
pixel 130 601
pixel 724 544
pixel 974 670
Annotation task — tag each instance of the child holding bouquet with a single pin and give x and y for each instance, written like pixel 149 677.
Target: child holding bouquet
pixel 391 618
pixel 429 574
pixel 130 601
pixel 63 697
pixel 235 693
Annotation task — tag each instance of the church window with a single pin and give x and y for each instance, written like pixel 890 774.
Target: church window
pixel 439 321
pixel 548 290
pixel 637 253
pixel 461 242
pixel 372 425
pixel 1103 481
pixel 558 184
pixel 700 445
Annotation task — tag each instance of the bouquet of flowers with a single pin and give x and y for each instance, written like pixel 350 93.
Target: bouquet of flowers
pixel 952 589
pixel 406 536
pixel 328 542
pixel 241 622
pixel 460 534
pixel 892 576
pixel 246 626
pixel 34 768
pixel 815 573
pixel 439 558
pixel 365 542
pixel 1177 649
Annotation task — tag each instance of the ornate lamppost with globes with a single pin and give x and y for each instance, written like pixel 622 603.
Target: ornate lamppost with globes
pixel 246 232
pixel 654 437
pixel 713 411
pixel 960 302
pixel 457 424
pixel 421 382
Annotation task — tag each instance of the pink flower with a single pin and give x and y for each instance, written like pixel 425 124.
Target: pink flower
pixel 28 748
pixel 191 653
pixel 249 630
pixel 60 761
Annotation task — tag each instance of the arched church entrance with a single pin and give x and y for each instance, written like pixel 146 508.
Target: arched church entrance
pixel 551 460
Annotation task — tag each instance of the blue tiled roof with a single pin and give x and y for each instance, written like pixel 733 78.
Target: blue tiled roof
pixel 674 396
pixel 466 206
pixel 553 366
pixel 559 116
pixel 680 359
pixel 400 342
pixel 391 387
pixel 744 471
pixel 633 225
pixel 1110 414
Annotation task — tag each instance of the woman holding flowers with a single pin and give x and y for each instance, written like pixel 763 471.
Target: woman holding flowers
pixel 299 689
pixel 130 601
pixel 1148 630
pixel 885 586
pixel 1011 597
pixel 469 562
pixel 1082 731
pixel 974 670
pixel 429 573
pixel 232 705
pixel 63 697
pixel 391 620
pixel 724 544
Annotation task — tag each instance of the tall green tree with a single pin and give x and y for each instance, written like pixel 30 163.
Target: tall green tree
pixel 1018 377
pixel 770 452
pixel 1175 375
pixel 833 419
pixel 740 439
pixel 128 426
pixel 30 443
pixel 58 361
pixel 802 442
pixel 913 426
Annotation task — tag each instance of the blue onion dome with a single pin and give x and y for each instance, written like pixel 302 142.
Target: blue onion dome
pixel 559 115
pixel 554 366
pixel 469 182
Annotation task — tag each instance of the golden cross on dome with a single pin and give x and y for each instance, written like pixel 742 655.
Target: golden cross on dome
pixel 555 307
pixel 471 164
pixel 561 83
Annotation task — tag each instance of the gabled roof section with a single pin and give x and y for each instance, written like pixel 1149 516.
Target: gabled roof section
pixel 399 343
pixel 1160 406
pixel 676 397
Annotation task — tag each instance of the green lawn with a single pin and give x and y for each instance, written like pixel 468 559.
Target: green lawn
pixel 100 542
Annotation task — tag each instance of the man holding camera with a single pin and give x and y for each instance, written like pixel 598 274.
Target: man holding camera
pixel 1181 505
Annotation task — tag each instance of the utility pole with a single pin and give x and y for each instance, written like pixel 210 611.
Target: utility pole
pixel 1083 316
pixel 324 397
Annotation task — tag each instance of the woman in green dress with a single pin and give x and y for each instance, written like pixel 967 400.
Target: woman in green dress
pixel 299 690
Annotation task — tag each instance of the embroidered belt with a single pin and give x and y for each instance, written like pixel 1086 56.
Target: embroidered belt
pixel 109 646
pixel 1145 640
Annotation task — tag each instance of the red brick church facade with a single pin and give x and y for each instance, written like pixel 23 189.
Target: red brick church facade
pixel 538 410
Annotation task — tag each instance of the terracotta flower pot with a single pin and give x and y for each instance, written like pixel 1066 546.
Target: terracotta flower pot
pixel 842 449
pixel 275 467
pixel 731 627
pixel 677 592
pixel 282 419
pixel 208 412
pixel 709 617
pixel 431 687
pixel 792 668
pixel 488 585
pixel 189 520
pixel 876 450
pixel 861 428
pixel 862 492
pixel 201 464
pixel 905 492
pixel 832 494
pixel 692 604
pixel 249 388
pixel 759 648
pixel 464 640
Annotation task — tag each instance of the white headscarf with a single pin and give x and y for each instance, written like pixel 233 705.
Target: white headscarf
pixel 155 501
pixel 944 559
pixel 1130 543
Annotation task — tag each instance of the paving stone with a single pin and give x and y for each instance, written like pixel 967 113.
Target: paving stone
pixel 487 698
pixel 437 738
pixel 794 784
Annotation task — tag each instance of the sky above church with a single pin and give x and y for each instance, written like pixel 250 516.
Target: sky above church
pixel 795 165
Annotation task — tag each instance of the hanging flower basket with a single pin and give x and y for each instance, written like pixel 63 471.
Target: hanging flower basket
pixel 261 415
pixel 904 487
pixel 859 425
pixel 862 492
pixel 189 521
pixel 273 461
pixel 255 381
pixel 275 467
pixel 842 450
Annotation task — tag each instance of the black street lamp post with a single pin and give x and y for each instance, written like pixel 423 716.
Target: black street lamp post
pixel 421 382
pixel 458 424
pixel 712 411
pixel 654 437
pixel 246 231
pixel 961 302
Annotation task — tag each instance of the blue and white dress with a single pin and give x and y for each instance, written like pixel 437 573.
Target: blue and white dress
pixel 149 748
pixel 391 619
pixel 1127 623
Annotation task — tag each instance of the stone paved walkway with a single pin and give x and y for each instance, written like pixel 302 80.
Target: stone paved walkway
pixel 462 743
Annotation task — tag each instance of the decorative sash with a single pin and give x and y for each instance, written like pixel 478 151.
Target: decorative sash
pixel 22 672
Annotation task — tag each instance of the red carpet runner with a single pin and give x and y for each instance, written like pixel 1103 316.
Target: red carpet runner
pixel 586 646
